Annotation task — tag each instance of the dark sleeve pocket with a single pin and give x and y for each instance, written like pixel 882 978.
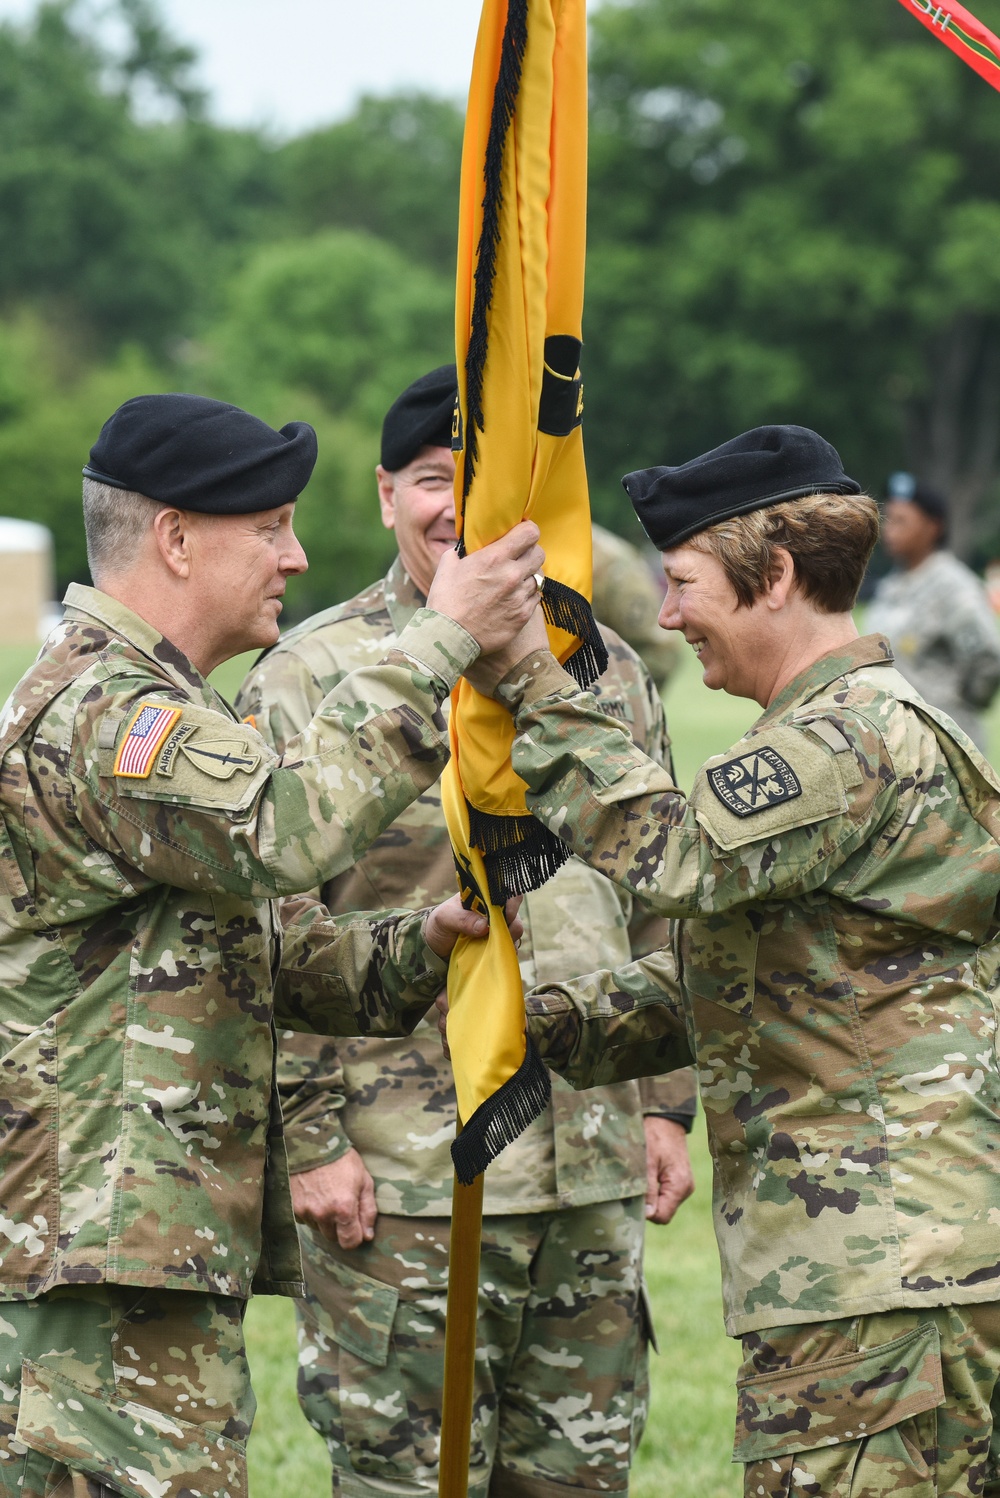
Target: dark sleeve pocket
pixel 843 1399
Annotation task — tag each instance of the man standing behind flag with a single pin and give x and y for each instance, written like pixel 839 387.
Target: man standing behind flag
pixel 561 1391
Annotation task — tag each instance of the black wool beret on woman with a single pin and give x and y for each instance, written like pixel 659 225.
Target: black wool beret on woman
pixel 201 454
pixel 421 417
pixel 750 472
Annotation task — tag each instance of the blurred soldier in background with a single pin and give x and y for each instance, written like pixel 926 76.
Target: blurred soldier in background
pixel 627 599
pixel 934 609
pixel 561 1374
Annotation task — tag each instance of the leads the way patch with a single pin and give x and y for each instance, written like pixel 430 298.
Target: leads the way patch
pixel 754 782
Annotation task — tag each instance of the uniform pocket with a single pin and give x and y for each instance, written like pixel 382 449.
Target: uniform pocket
pixel 843 1399
pixel 357 1313
pixel 719 958
pixel 29 1118
pixel 360 1311
pixel 138 1451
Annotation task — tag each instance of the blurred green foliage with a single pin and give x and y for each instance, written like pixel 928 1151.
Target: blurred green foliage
pixel 793 217
pixel 392 168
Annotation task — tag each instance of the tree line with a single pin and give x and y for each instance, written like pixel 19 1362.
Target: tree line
pixel 794 214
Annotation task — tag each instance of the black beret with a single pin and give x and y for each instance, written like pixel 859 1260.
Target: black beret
pixel 421 417
pixel 750 472
pixel 931 501
pixel 201 454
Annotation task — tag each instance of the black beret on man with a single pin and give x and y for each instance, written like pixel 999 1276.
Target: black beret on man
pixel 421 417
pixel 750 472
pixel 201 454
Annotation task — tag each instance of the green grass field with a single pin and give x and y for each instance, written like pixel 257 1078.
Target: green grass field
pixel 688 1439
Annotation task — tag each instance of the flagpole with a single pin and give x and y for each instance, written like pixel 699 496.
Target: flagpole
pixel 460 1338
pixel 519 448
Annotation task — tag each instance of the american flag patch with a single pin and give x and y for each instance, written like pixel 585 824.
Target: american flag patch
pixel 143 737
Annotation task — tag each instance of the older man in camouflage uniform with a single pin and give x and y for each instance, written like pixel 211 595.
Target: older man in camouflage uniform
pixel 561 1389
pixel 144 831
pixel 836 877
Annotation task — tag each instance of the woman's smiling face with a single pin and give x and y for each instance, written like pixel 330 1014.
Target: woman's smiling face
pixel 733 644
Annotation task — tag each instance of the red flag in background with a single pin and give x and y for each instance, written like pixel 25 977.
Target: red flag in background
pixel 958 28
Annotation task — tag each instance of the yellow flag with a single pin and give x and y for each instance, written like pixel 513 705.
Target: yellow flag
pixel 519 307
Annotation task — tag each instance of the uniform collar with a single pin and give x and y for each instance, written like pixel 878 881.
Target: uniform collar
pixel 868 650
pixel 89 604
pixel 402 596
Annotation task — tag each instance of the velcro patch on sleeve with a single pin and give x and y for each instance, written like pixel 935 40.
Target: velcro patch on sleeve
pixel 755 781
pixel 767 786
pixel 147 729
pixel 203 758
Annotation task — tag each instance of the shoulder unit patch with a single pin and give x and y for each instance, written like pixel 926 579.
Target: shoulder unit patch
pixel 148 728
pixel 754 782
pixel 221 758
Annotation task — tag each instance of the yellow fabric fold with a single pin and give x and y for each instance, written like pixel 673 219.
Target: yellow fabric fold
pixel 508 468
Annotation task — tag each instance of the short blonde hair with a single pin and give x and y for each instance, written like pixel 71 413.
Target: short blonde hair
pixel 830 538
pixel 115 522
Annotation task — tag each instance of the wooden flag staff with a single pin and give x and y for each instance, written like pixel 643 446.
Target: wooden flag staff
pixel 519 452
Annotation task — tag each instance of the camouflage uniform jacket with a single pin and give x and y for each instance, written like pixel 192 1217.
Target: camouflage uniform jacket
pixel 944 636
pixel 395 1102
pixel 837 872
pixel 143 832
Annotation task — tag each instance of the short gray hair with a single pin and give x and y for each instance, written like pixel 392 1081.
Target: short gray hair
pixel 116 522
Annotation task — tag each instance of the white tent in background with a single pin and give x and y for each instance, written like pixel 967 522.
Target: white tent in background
pixel 26 582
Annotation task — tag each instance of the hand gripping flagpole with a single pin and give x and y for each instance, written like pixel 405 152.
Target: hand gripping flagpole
pixel 519 452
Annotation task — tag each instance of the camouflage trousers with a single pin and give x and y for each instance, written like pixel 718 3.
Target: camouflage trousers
pixel 110 1389
pixel 561 1368
pixel 900 1402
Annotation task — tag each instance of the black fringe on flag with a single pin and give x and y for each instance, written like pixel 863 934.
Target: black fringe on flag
pixel 566 609
pixel 515 38
pixel 497 1122
pixel 519 853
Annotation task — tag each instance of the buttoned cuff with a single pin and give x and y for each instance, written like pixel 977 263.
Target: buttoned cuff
pixel 536 676
pixel 437 643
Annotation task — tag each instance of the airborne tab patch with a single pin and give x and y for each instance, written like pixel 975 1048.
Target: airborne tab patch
pixel 149 727
pixel 754 782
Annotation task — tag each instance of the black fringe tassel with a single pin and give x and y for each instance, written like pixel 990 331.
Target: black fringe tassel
pixel 565 608
pixel 519 853
pixel 515 38
pixel 497 1122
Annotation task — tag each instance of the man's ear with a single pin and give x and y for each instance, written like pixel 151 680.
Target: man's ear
pixel 782 579
pixel 386 496
pixel 172 531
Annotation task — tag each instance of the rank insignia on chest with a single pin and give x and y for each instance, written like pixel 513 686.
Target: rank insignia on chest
pixel 150 725
pixel 754 782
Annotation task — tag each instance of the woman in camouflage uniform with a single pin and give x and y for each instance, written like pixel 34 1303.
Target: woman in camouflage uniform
pixel 835 878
